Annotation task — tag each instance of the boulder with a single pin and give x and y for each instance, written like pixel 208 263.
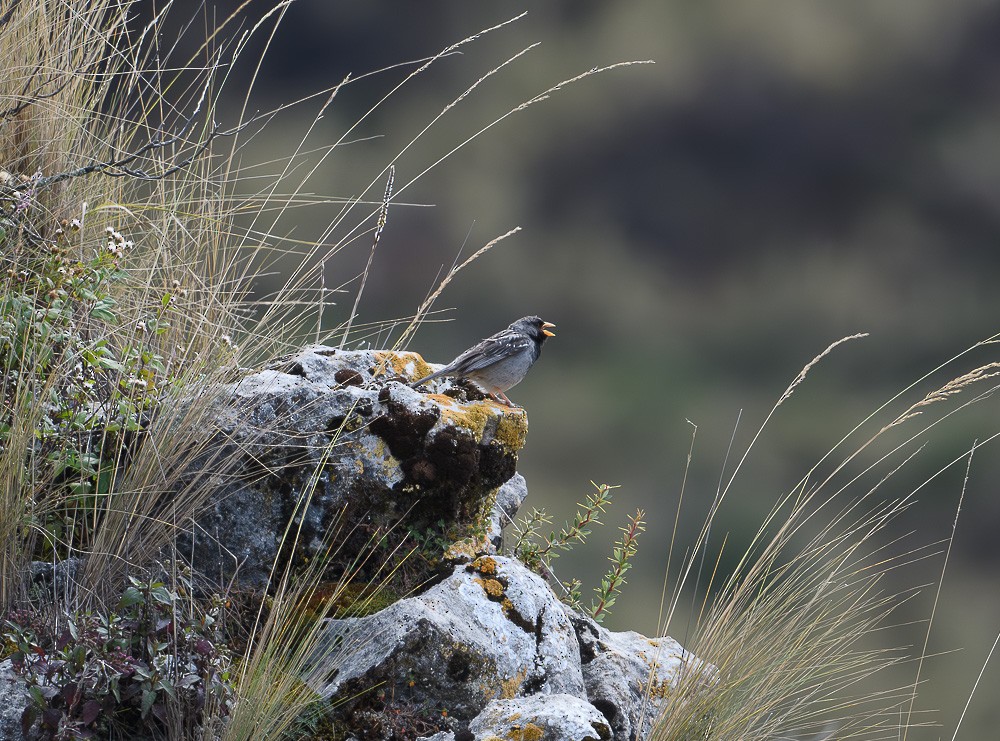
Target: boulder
pixel 562 717
pixel 328 438
pixel 628 676
pixel 491 630
pixel 489 648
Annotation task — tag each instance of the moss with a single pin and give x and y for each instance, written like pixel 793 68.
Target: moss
pixel 466 549
pixel 402 428
pixel 353 600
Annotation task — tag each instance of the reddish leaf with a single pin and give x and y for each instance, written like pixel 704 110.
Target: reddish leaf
pixel 71 693
pixel 51 718
pixel 28 718
pixel 160 712
pixel 89 712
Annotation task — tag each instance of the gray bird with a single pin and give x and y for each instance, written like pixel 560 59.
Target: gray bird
pixel 500 362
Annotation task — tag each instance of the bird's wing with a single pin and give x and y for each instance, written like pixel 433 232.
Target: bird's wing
pixel 489 351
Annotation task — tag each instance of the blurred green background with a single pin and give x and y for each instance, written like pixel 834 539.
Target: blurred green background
pixel 787 173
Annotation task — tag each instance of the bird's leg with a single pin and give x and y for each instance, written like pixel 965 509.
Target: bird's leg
pixel 501 397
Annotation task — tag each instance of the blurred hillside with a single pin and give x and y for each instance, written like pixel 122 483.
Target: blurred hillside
pixel 789 172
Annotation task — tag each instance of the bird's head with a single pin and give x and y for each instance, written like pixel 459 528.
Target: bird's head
pixel 535 328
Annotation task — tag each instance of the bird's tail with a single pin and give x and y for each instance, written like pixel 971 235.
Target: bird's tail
pixel 431 377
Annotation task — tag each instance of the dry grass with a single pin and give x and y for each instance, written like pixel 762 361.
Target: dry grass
pixel 801 629
pixel 132 231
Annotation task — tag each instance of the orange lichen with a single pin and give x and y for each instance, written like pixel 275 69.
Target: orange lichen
pixel 492 587
pixel 485 565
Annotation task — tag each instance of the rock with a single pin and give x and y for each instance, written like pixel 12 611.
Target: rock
pixel 13 701
pixel 491 630
pixel 562 717
pixel 55 579
pixel 629 676
pixel 509 499
pixel 490 646
pixel 329 438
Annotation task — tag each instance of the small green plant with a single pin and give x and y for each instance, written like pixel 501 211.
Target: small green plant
pixel 621 561
pixel 537 551
pixel 137 668
pixel 97 390
pixel 528 531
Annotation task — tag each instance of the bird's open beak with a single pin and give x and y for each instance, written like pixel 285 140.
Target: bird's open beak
pixel 545 329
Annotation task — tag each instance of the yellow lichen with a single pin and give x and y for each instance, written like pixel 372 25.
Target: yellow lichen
pixel 473 416
pixel 527 732
pixel 403 364
pixel 510 687
pixel 512 430
pixel 511 425
pixel 659 690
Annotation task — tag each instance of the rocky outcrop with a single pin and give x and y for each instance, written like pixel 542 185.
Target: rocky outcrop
pixel 491 630
pixel 495 648
pixel 484 649
pixel 328 436
pixel 336 442
pixel 330 439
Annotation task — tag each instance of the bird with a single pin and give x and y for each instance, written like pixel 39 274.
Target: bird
pixel 501 361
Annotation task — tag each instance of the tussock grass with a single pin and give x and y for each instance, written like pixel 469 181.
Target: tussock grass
pixel 132 230
pixel 801 629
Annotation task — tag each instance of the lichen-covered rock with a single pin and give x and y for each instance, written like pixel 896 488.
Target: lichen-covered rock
pixel 509 499
pixel 13 700
pixel 536 718
pixel 491 630
pixel 629 676
pixel 328 437
pixel 562 717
